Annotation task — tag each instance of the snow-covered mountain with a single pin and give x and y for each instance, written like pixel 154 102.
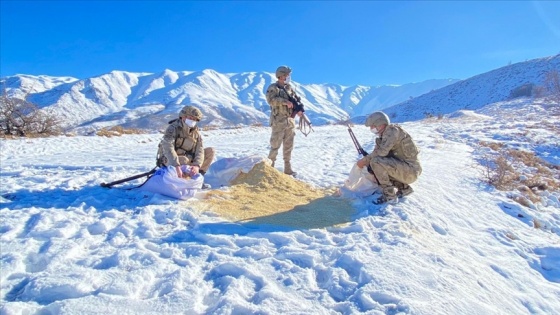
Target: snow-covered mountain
pixel 148 100
pixel 502 84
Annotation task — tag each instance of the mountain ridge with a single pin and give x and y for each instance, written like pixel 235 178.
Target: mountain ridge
pixel 148 100
pixel 474 93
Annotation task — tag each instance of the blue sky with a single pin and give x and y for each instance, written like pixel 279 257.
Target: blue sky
pixel 349 43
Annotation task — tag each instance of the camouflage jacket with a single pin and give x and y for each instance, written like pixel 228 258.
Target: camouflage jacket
pixel 181 140
pixel 277 98
pixel 396 143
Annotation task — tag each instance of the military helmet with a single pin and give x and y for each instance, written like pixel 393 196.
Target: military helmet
pixel 283 70
pixel 190 110
pixel 377 119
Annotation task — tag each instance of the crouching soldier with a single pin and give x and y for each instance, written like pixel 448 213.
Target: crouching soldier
pixel 182 144
pixel 394 161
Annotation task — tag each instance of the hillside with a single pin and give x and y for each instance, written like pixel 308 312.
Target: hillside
pixel 148 100
pixel 506 83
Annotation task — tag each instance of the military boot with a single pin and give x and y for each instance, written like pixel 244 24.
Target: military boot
pixel 389 196
pixel 404 189
pixel 288 169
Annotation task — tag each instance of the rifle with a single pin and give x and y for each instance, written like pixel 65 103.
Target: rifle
pixel 356 143
pixel 120 181
pixel 361 151
pixel 304 122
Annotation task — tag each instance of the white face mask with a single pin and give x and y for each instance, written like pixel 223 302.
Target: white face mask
pixel 190 123
pixel 288 79
pixel 374 130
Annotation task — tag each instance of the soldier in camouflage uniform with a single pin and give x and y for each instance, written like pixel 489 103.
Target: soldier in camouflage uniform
pixel 182 144
pixel 394 161
pixel 281 120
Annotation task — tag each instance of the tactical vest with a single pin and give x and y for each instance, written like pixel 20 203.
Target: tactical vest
pixel 181 148
pixel 282 110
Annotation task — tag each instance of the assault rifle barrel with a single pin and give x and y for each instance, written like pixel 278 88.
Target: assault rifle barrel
pixel 120 181
pixel 361 151
pixel 356 143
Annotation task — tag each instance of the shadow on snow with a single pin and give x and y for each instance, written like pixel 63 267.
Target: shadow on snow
pixel 87 198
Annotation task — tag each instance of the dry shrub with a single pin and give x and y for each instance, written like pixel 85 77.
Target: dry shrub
pixel 539 182
pixel 529 194
pixel 527 158
pixel 544 169
pixel 509 168
pixel 209 127
pixel 511 236
pixel 505 173
pixel 498 171
pixel 522 201
pixel 22 118
pixel 537 224
pixel 496 146
pixel 543 178
pixel 117 131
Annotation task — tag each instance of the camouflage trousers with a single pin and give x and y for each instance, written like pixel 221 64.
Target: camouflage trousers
pixel 283 134
pixel 388 169
pixel 209 154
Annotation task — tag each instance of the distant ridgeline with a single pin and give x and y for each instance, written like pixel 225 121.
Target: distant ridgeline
pixel 533 78
pixel 149 100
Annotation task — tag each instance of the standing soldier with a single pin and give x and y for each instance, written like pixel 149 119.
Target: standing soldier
pixel 182 144
pixel 394 161
pixel 283 125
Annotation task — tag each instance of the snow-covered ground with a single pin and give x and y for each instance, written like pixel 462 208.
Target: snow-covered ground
pixel 455 246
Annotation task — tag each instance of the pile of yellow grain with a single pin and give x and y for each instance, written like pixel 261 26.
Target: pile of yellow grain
pixel 267 196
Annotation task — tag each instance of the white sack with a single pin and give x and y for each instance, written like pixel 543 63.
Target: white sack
pixel 166 182
pixel 359 183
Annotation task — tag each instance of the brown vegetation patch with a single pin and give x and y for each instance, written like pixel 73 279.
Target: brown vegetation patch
pixel 537 224
pixel 507 169
pixel 496 146
pixel 266 196
pixel 118 131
